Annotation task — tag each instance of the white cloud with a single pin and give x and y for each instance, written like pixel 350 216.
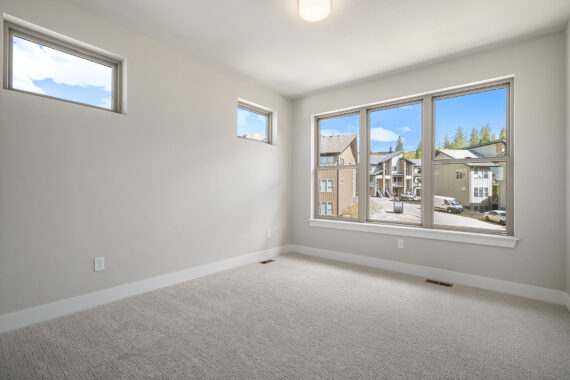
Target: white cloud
pixel 36 62
pixel 330 132
pixel 405 128
pixel 383 135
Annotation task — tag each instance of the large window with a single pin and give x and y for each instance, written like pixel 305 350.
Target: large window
pixel 254 123
pixel 441 160
pixel 42 65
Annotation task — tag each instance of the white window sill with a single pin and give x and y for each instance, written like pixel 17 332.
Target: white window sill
pixel 418 232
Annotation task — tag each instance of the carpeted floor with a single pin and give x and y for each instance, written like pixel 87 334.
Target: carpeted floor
pixel 299 317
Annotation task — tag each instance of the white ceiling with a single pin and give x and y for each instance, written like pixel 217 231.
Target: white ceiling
pixel 266 41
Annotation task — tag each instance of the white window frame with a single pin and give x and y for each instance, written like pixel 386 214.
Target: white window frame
pixel 428 228
pixel 12 29
pixel 247 106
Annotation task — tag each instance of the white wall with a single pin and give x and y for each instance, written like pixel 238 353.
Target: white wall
pixel 540 117
pixel 166 187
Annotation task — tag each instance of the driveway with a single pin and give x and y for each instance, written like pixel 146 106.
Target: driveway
pixel 382 209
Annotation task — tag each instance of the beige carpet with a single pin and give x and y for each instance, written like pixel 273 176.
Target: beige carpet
pixel 299 317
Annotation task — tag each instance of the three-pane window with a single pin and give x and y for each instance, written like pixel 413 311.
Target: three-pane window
pixel 459 138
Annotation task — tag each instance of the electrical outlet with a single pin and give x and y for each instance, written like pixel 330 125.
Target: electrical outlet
pixel 98 264
pixel 401 243
pixel 268 233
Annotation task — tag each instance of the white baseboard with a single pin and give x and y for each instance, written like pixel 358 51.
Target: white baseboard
pixel 513 288
pixel 56 309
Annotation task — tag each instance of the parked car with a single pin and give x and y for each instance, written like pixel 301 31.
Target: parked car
pixel 407 197
pixel 497 216
pixel 447 204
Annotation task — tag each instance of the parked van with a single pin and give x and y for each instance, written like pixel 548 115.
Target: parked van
pixel 447 204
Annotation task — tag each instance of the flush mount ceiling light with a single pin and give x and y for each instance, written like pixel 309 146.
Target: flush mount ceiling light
pixel 314 10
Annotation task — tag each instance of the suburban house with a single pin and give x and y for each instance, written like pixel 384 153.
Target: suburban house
pixel 479 186
pixel 393 174
pixel 337 187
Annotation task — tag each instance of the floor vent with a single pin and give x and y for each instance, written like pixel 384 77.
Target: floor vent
pixel 266 261
pixel 449 285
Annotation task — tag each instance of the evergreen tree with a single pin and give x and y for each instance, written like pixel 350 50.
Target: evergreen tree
pixel 474 140
pixel 419 150
pixel 399 145
pixel 390 151
pixel 493 137
pixel 446 143
pixel 503 134
pixel 485 133
pixel 459 140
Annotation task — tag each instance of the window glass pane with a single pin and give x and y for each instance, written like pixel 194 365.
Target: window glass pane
pixel 339 140
pixel 252 125
pixel 474 201
pixel 470 126
pixel 395 173
pixel 43 70
pixel 347 195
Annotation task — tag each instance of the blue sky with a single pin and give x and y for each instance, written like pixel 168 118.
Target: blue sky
pixel 250 123
pixel 47 71
pixel 470 111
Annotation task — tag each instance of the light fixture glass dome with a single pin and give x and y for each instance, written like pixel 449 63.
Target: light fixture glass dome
pixel 314 10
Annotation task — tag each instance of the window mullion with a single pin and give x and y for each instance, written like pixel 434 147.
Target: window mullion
pixel 362 174
pixel 427 162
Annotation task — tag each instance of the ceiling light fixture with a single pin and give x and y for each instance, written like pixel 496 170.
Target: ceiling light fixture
pixel 314 10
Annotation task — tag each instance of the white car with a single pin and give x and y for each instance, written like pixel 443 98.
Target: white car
pixel 496 216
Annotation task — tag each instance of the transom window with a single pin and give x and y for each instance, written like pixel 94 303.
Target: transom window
pixel 42 65
pixel 436 161
pixel 254 123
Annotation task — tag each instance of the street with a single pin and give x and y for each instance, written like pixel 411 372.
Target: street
pixel 382 209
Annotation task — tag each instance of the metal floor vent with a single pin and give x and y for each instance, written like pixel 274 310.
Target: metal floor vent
pixel 449 285
pixel 266 261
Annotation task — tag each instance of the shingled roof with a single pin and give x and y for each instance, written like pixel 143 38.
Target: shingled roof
pixel 336 144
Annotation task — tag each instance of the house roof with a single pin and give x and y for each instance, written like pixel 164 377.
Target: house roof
pixel 458 153
pixel 336 144
pixel 376 159
pixel 470 152
pixel 414 161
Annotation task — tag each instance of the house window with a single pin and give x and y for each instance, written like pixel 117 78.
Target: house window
pixel 339 136
pixel 254 122
pixel 42 65
pixel 327 161
pixel 326 208
pixel 438 144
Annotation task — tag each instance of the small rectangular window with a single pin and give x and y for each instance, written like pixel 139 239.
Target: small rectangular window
pixel 254 123
pixel 43 65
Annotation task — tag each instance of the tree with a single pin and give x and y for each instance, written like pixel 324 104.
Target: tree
pixel 446 143
pixel 419 150
pixel 503 134
pixel 399 145
pixel 390 151
pixel 474 140
pixel 485 133
pixel 459 140
pixel 493 137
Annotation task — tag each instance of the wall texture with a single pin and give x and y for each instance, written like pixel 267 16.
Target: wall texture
pixel 540 118
pixel 166 187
